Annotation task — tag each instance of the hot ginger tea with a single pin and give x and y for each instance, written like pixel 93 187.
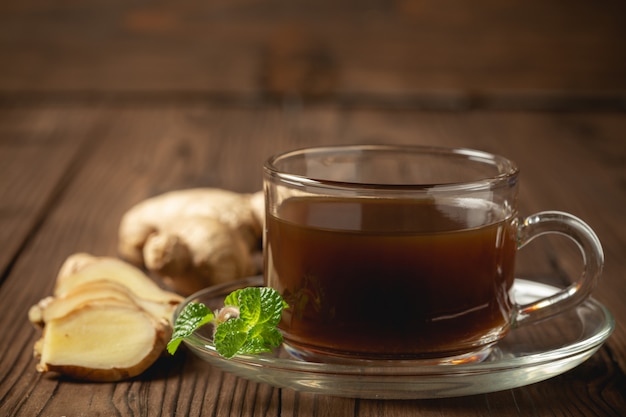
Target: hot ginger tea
pixel 389 278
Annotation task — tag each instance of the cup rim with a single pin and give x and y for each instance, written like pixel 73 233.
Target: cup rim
pixel 507 169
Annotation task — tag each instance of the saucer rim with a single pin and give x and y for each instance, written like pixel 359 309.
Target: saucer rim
pixel 567 356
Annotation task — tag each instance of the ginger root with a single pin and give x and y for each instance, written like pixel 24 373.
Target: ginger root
pixel 194 238
pixel 106 320
pixel 102 342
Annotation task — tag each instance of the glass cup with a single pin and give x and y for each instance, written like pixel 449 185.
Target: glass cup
pixel 404 252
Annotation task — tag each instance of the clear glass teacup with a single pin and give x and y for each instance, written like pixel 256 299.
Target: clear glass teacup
pixel 404 252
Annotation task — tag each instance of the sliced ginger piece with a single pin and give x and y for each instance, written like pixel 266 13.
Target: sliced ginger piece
pixel 118 271
pixel 106 321
pixel 59 310
pixel 76 262
pixel 98 291
pixel 160 311
pixel 102 342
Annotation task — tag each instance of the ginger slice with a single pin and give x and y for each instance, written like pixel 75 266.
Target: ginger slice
pixel 102 342
pixel 51 308
pixel 93 291
pixel 101 291
pixel 118 271
pixel 106 321
pixel 76 262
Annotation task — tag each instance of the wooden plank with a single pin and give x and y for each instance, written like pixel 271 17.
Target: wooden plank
pixel 37 159
pixel 133 153
pixel 318 49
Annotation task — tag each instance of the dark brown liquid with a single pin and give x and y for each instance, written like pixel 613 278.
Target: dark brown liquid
pixel 391 278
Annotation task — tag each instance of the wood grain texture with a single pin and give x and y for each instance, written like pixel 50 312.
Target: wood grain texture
pixel 105 159
pixel 487 51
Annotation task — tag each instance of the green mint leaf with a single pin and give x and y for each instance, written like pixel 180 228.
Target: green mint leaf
pixel 272 305
pixel 260 311
pixel 193 316
pixel 267 335
pixel 230 336
pixel 253 331
pixel 248 300
pixel 235 337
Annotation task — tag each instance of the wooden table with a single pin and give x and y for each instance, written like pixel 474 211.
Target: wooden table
pixel 105 104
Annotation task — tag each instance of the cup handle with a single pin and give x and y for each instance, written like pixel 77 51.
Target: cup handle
pixel 593 260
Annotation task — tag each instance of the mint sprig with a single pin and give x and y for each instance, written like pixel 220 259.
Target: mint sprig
pixel 193 316
pixel 246 325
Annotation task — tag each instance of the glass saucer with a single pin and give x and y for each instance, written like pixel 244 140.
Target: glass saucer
pixel 526 355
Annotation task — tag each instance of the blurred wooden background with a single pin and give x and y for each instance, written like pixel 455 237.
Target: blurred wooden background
pixel 448 54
